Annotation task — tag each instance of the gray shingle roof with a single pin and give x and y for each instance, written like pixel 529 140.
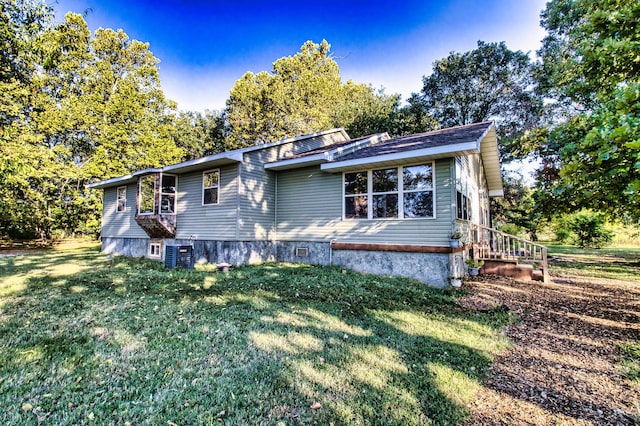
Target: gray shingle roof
pixel 435 138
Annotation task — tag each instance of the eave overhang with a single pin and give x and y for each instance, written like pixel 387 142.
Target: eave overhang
pixel 209 162
pixel 404 157
pixel 323 157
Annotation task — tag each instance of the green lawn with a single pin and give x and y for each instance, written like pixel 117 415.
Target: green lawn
pixel 89 339
pixel 621 263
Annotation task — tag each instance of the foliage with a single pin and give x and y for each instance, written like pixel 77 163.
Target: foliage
pixel 303 94
pixel 87 338
pixel 589 230
pixel 199 135
pixel 590 70
pixel 490 82
pixel 517 209
pixel 75 108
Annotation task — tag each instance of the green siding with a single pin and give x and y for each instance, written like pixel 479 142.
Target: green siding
pixel 215 221
pixel 310 209
pixel 120 224
pixel 258 186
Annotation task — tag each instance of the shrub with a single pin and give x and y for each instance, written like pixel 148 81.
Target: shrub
pixel 589 230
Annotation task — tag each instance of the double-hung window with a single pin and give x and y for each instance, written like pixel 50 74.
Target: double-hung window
pixel 385 193
pixel 418 190
pixel 210 187
pixel 390 193
pixel 356 204
pixel 122 199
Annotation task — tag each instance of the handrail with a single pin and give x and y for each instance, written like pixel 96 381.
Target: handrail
pixel 491 244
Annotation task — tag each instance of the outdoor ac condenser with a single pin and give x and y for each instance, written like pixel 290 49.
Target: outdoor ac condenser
pixel 181 256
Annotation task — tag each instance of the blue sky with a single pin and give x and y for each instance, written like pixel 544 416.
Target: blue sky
pixel 205 46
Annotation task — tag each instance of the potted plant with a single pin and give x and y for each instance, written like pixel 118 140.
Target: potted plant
pixel 455 281
pixel 454 239
pixel 474 266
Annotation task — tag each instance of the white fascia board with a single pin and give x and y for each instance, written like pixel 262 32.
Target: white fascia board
pixel 121 179
pixel 496 193
pixel 293 163
pixel 230 156
pixel 452 149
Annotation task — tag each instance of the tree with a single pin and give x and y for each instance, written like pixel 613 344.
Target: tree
pixel 88 108
pixel 487 83
pixel 303 94
pixel 590 69
pixel 297 98
pixel 199 134
pixel 363 111
pixel 518 207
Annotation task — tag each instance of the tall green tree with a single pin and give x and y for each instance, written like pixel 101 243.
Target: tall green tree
pixel 200 134
pixel 591 70
pixel 87 107
pixel 490 82
pixel 302 94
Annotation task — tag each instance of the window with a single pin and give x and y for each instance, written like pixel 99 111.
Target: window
pixel 210 187
pixel 385 193
pixel 389 196
pixel 463 206
pixel 168 194
pixel 155 249
pixel 122 199
pixel 418 190
pixel 355 195
pixel 147 194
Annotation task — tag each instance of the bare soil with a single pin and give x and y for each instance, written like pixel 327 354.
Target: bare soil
pixel 563 367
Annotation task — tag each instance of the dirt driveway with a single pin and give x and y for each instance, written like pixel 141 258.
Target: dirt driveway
pixel 562 368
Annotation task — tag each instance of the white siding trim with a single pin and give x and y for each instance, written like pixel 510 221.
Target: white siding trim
pixel 369 162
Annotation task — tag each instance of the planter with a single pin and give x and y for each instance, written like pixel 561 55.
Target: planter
pixel 474 271
pixel 454 243
pixel 456 282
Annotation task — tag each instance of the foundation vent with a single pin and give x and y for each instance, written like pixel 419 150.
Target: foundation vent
pixel 302 251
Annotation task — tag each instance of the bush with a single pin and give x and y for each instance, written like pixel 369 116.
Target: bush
pixel 589 230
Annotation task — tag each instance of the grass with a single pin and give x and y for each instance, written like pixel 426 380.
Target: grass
pixel 619 263
pixel 95 340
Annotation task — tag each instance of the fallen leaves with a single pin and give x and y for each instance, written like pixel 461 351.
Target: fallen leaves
pixel 562 367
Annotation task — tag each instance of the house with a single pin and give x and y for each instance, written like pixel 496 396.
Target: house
pixel 375 204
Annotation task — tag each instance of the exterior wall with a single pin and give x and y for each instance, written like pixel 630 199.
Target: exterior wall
pixel 120 224
pixel 132 247
pixel 207 222
pixel 309 208
pixel 232 252
pixel 433 269
pixel 257 206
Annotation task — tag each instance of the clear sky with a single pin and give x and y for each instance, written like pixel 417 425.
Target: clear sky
pixel 206 45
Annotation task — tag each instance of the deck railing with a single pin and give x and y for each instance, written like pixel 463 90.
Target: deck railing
pixel 491 244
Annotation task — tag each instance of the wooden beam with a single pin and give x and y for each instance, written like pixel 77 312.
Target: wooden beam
pixel 395 247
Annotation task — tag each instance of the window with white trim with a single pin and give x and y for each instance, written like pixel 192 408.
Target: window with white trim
pixel 356 195
pixel 210 187
pixel 168 194
pixel 147 194
pixel 122 199
pixel 155 249
pixel 390 197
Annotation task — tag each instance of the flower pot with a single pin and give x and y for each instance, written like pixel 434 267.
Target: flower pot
pixel 474 271
pixel 454 243
pixel 455 282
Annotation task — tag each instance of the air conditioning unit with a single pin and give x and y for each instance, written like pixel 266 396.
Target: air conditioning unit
pixel 181 256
